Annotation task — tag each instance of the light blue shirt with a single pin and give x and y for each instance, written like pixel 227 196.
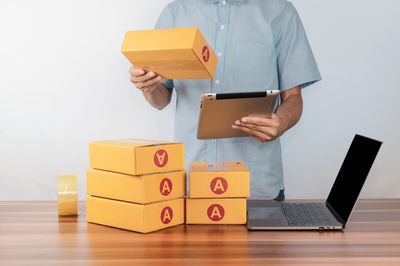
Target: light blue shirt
pixel 261 45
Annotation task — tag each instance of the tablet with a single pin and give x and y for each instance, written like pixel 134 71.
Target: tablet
pixel 219 111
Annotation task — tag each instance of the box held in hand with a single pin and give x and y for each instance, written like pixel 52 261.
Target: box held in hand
pixel 180 53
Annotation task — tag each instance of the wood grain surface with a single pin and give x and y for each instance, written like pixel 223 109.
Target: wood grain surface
pixel 31 233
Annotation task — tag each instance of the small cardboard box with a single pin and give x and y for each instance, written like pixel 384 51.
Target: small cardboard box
pixel 135 217
pixel 181 53
pixel 136 157
pixel 219 180
pixel 138 189
pixel 216 211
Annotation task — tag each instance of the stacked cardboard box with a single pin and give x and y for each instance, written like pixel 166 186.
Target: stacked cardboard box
pixel 136 185
pixel 217 193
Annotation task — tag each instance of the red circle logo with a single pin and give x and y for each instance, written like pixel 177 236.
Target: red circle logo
pixel 166 186
pixel 219 185
pixel 161 158
pixel 215 212
pixel 166 215
pixel 206 53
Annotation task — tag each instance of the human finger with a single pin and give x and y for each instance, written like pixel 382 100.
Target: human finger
pixel 146 89
pixel 143 78
pixel 149 82
pixel 270 131
pixel 260 121
pixel 257 134
pixel 137 72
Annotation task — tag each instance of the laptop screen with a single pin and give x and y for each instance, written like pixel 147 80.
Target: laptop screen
pixel 352 175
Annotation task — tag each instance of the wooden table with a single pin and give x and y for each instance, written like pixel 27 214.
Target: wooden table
pixel 32 233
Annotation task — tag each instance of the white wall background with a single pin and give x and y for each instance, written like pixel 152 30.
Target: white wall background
pixel 63 83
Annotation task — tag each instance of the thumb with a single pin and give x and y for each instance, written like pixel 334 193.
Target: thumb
pixel 274 116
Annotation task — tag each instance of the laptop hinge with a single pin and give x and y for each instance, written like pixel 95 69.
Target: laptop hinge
pixel 337 216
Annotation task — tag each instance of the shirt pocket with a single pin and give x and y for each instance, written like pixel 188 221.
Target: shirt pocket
pixel 251 63
pixel 235 141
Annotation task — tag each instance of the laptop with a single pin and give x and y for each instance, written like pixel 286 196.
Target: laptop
pixel 332 214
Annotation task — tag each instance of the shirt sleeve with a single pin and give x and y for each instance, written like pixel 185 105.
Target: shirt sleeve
pixel 295 60
pixel 165 21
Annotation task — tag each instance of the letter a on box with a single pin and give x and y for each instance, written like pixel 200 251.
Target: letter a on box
pixel 161 158
pixel 166 215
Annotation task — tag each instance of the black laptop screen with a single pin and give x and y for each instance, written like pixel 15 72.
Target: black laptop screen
pixel 352 175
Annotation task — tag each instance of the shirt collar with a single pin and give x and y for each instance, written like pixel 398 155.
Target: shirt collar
pixel 233 2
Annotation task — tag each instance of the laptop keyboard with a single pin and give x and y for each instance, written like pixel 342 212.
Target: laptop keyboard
pixel 307 214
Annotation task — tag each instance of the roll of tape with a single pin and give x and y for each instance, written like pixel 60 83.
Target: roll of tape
pixel 67 194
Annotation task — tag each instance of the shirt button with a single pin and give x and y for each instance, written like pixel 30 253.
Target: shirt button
pixel 217 82
pixel 219 54
pixel 222 27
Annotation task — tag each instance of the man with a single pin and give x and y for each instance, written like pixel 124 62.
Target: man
pixel 261 45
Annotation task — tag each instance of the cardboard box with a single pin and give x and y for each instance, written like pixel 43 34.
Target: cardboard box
pixel 136 157
pixel 135 217
pixel 138 189
pixel 216 211
pixel 180 53
pixel 219 180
